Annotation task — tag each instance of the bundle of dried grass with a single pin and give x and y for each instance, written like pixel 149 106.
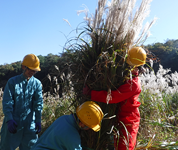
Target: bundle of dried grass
pixel 98 56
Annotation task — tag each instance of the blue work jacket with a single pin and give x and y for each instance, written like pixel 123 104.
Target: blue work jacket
pixel 63 134
pixel 23 100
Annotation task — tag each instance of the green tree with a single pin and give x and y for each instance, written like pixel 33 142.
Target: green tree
pixel 167 53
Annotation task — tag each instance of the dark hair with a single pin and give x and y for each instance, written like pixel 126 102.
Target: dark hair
pixel 141 69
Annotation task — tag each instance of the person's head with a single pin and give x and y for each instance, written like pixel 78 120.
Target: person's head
pixel 30 65
pixel 90 115
pixel 136 59
pixel 136 56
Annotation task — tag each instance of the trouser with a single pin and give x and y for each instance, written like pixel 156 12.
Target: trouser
pixel 127 138
pixel 24 138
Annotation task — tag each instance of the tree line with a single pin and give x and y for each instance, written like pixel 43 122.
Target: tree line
pixel 167 53
pixel 53 67
pixel 46 75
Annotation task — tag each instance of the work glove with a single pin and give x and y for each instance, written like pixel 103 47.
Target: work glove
pixel 38 127
pixel 12 126
pixel 86 90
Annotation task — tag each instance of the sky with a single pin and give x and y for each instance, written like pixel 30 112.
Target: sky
pixel 38 26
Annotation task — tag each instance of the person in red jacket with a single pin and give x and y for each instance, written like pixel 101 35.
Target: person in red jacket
pixel 127 97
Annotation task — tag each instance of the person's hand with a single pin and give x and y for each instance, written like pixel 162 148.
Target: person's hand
pixel 86 90
pixel 38 127
pixel 12 126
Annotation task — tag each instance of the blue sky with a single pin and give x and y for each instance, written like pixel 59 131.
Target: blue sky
pixel 37 26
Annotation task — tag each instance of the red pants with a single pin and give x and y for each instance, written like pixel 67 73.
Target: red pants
pixel 127 138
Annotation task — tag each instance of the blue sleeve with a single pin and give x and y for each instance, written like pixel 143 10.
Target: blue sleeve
pixel 8 101
pixel 38 102
pixel 74 140
pixel 68 142
pixel 74 146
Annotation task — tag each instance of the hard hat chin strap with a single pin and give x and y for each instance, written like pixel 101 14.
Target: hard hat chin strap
pixel 76 119
pixel 78 122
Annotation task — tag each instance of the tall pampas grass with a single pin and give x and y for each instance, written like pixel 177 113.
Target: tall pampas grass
pixel 97 57
pixel 121 20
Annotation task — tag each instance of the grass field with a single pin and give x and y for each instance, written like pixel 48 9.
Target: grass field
pixel 159 111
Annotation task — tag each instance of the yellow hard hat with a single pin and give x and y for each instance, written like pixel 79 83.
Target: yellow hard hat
pixel 31 61
pixel 136 56
pixel 90 114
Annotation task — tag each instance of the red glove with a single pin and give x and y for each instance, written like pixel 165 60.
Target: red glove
pixel 86 90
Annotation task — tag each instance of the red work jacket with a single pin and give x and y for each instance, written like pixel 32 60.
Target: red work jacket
pixel 127 95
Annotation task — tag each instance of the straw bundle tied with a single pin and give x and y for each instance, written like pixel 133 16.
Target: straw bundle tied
pixel 98 57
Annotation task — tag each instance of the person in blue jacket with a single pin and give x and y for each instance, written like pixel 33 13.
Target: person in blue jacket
pixel 63 134
pixel 22 107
